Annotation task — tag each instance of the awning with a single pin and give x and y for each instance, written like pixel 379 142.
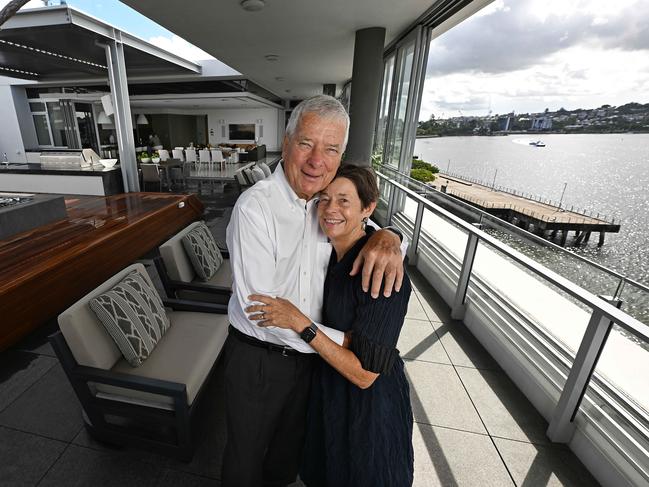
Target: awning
pixel 60 43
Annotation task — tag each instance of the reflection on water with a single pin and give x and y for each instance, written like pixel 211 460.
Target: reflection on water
pixel 606 173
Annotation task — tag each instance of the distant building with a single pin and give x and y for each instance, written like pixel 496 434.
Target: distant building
pixel 504 123
pixel 541 123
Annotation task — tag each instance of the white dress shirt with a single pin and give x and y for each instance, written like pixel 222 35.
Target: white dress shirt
pixel 278 249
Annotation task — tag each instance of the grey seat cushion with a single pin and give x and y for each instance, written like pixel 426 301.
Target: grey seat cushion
pixel 264 167
pixel 185 355
pixel 133 314
pixel 257 173
pixel 203 252
pixel 222 278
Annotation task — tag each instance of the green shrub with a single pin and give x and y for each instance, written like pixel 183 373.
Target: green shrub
pixel 423 175
pixel 419 164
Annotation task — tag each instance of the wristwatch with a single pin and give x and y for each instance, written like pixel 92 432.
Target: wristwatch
pixel 309 333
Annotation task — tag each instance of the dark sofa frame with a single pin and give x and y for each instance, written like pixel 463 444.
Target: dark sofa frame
pixel 170 432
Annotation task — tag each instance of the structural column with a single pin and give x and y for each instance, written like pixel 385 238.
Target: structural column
pixel 367 74
pixel 123 119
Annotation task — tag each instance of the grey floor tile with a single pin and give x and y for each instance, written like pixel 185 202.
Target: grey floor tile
pixel 48 408
pixel 418 341
pixel 83 467
pixel 536 465
pixel 451 458
pixel 438 397
pixel 415 309
pixel 26 457
pixel 38 340
pixel 174 478
pixel 433 305
pixel 463 348
pixel 18 371
pixel 83 439
pixel 506 412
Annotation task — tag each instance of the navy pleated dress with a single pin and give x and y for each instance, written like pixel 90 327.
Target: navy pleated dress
pixel 359 437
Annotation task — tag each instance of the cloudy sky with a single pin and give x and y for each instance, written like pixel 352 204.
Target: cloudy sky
pixel 528 55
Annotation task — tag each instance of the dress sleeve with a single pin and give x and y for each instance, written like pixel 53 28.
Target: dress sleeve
pixel 377 327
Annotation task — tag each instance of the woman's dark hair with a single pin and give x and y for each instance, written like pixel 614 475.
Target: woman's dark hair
pixel 364 180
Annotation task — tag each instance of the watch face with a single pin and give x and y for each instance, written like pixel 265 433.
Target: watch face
pixel 309 333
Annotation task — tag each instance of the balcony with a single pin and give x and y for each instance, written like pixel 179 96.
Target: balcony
pixel 473 424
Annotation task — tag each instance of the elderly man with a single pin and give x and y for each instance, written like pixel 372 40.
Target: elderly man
pixel 276 248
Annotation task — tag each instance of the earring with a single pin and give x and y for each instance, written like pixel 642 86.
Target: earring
pixel 364 223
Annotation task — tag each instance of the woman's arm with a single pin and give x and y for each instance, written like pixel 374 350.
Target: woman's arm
pixel 283 314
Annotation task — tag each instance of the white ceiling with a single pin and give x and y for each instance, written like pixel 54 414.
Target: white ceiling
pixel 314 39
pixel 200 101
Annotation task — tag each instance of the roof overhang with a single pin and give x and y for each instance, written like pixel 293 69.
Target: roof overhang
pixel 314 40
pixel 61 43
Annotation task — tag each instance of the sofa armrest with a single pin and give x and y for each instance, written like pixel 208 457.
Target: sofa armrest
pixel 199 286
pixel 198 306
pixel 127 381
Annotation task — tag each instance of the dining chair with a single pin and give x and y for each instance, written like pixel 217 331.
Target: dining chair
pixel 178 154
pixel 204 157
pixel 164 154
pixel 190 156
pixel 151 174
pixel 217 157
pixel 234 157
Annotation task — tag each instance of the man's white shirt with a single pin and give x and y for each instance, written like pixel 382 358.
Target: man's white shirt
pixel 278 249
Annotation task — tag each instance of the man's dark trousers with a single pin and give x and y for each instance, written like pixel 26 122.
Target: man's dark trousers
pixel 267 393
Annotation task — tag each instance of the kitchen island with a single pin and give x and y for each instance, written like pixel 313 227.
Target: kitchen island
pixel 39 178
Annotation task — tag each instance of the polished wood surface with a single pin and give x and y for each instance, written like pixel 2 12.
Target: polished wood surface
pixel 45 270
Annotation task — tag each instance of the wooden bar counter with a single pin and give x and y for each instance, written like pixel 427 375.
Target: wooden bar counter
pixel 45 270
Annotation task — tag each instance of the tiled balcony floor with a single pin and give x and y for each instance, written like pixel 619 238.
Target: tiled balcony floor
pixel 472 425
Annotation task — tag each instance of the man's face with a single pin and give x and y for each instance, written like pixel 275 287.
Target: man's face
pixel 312 154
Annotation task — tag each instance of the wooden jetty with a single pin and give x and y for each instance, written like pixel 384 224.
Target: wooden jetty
pixel 543 219
pixel 46 269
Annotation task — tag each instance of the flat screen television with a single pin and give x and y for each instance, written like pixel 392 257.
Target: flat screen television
pixel 242 131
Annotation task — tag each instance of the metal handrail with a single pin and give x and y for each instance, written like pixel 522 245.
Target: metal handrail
pixel 622 319
pixel 602 318
pixel 624 279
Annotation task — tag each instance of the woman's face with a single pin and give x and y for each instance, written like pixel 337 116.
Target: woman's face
pixel 339 211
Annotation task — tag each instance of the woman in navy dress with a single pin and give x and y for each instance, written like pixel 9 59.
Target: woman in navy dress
pixel 359 430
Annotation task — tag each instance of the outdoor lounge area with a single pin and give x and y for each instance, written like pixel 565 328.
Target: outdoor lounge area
pixel 473 426
pixel 502 352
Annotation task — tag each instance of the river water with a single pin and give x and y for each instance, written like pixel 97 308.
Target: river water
pixel 605 173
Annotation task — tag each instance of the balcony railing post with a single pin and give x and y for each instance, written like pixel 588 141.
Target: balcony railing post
pixel 458 309
pixel 416 230
pixel 561 427
pixel 393 190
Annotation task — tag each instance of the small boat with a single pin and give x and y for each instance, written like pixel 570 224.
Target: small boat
pixel 537 143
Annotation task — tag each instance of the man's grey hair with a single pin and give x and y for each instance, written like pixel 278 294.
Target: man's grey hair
pixel 324 106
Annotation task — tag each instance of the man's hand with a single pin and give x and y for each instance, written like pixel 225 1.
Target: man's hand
pixel 381 259
pixel 276 312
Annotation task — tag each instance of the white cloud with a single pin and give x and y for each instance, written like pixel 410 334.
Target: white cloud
pixel 538 54
pixel 180 47
pixel 30 4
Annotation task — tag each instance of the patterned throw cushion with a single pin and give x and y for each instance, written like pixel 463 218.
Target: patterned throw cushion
pixel 203 252
pixel 134 316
